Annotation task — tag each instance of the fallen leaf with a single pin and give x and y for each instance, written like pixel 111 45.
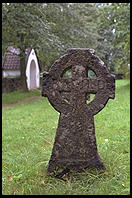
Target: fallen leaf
pixel 10 178
pixel 42 182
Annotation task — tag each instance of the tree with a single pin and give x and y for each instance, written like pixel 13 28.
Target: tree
pixel 87 16
pixel 51 28
pixel 114 28
pixel 22 27
pixel 122 35
pixel 73 25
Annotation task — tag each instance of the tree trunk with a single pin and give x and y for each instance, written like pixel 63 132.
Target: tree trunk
pixel 23 73
pixel 23 65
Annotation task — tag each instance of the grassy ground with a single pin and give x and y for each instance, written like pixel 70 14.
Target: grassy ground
pixel 28 131
pixel 18 96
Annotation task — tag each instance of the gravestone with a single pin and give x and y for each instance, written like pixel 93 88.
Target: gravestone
pixel 75 142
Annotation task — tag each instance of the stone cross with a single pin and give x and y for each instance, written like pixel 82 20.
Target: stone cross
pixel 75 142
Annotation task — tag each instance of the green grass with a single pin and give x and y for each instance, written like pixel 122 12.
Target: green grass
pixel 17 96
pixel 28 131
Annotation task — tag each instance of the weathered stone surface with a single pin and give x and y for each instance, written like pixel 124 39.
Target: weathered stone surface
pixel 75 142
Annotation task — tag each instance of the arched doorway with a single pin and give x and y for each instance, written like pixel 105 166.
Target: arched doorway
pixel 32 75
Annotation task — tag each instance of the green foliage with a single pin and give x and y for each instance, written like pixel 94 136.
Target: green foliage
pixel 114 27
pixel 21 20
pixel 20 29
pixel 51 28
pixel 68 74
pixel 28 132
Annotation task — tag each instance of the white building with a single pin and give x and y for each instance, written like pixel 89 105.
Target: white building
pixel 11 66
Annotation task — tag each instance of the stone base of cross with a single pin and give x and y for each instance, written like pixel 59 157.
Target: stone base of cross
pixel 75 142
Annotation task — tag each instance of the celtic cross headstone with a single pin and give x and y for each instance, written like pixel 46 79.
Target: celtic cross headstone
pixel 75 142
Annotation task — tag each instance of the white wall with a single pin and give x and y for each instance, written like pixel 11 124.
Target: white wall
pixel 11 73
pixel 31 57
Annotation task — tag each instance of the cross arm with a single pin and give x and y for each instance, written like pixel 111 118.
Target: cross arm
pixel 93 85
pixel 64 85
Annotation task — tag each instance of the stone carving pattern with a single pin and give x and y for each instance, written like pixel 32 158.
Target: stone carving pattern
pixel 75 142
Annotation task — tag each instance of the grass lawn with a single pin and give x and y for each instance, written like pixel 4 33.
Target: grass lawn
pixel 28 131
pixel 18 96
